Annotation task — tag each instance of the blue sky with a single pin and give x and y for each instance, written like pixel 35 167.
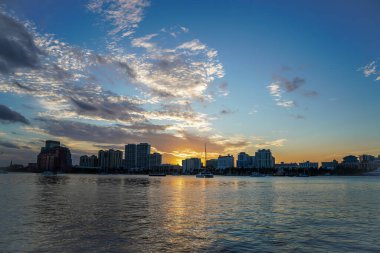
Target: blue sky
pixel 298 77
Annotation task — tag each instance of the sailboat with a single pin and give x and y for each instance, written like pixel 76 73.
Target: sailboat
pixel 205 173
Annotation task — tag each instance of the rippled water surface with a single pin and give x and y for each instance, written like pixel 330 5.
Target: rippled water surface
pixel 120 213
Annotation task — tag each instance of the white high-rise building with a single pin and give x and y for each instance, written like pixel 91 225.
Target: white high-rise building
pixel 225 162
pixel 264 159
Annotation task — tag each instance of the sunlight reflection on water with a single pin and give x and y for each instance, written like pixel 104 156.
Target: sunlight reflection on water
pixel 118 213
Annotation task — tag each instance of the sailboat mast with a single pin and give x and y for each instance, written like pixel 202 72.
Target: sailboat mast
pixel 205 155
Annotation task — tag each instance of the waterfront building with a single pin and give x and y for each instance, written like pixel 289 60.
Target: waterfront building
pixel 244 160
pixel 308 165
pixel 212 163
pixel 225 162
pixel 130 156
pixel 88 161
pixel 143 152
pixel 155 159
pixel 264 159
pixel 191 164
pixel 54 157
pixel 330 165
pixel 287 166
pixel 137 156
pixel 350 162
pixel 110 159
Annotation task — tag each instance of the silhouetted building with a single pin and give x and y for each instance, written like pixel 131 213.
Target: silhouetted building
pixel 143 152
pixel 244 160
pixel 308 165
pixel 130 156
pixel 225 162
pixel 212 164
pixel 286 166
pixel 330 165
pixel 110 159
pixel 191 164
pixel 53 157
pixel 88 161
pixel 264 159
pixel 350 162
pixel 155 159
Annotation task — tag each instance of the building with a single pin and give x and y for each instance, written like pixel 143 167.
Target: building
pixel 350 162
pixel 264 159
pixel 225 162
pixel 286 166
pixel 155 159
pixel 88 161
pixel 167 169
pixel 130 156
pixel 212 164
pixel 110 159
pixel 54 157
pixel 137 156
pixel 308 165
pixel 190 165
pixel 330 165
pixel 244 160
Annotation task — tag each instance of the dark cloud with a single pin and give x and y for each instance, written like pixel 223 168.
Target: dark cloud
pixel 298 116
pixel 23 87
pixel 10 116
pixel 17 48
pixel 286 68
pixel 226 111
pixel 6 144
pixel 128 69
pixel 310 93
pixel 294 84
pixel 83 105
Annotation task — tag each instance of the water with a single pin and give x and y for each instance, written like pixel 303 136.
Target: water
pixel 120 213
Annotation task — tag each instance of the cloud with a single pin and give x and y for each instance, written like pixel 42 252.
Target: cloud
pixel 9 116
pixel 310 93
pixel 6 144
pixel 371 69
pixel 293 84
pixel 17 47
pixel 193 45
pixel 298 116
pixel 124 15
pixel 276 91
pixel 275 143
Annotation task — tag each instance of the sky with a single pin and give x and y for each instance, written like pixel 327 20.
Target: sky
pixel 301 78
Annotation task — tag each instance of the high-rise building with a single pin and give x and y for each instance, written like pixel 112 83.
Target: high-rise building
pixel 143 152
pixel 88 161
pixel 264 159
pixel 225 162
pixel 53 157
pixel 212 164
pixel 244 160
pixel 155 159
pixel 130 156
pixel 110 159
pixel 330 165
pixel 191 164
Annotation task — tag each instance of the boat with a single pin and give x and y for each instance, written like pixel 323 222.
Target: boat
pixel 157 174
pixel 204 174
pixel 373 173
pixel 257 174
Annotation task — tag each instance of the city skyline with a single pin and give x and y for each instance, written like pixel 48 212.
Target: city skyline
pixel 99 74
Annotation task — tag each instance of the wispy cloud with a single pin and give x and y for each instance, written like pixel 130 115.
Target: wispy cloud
pixel 274 143
pixel 371 69
pixel 124 15
pixel 276 91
